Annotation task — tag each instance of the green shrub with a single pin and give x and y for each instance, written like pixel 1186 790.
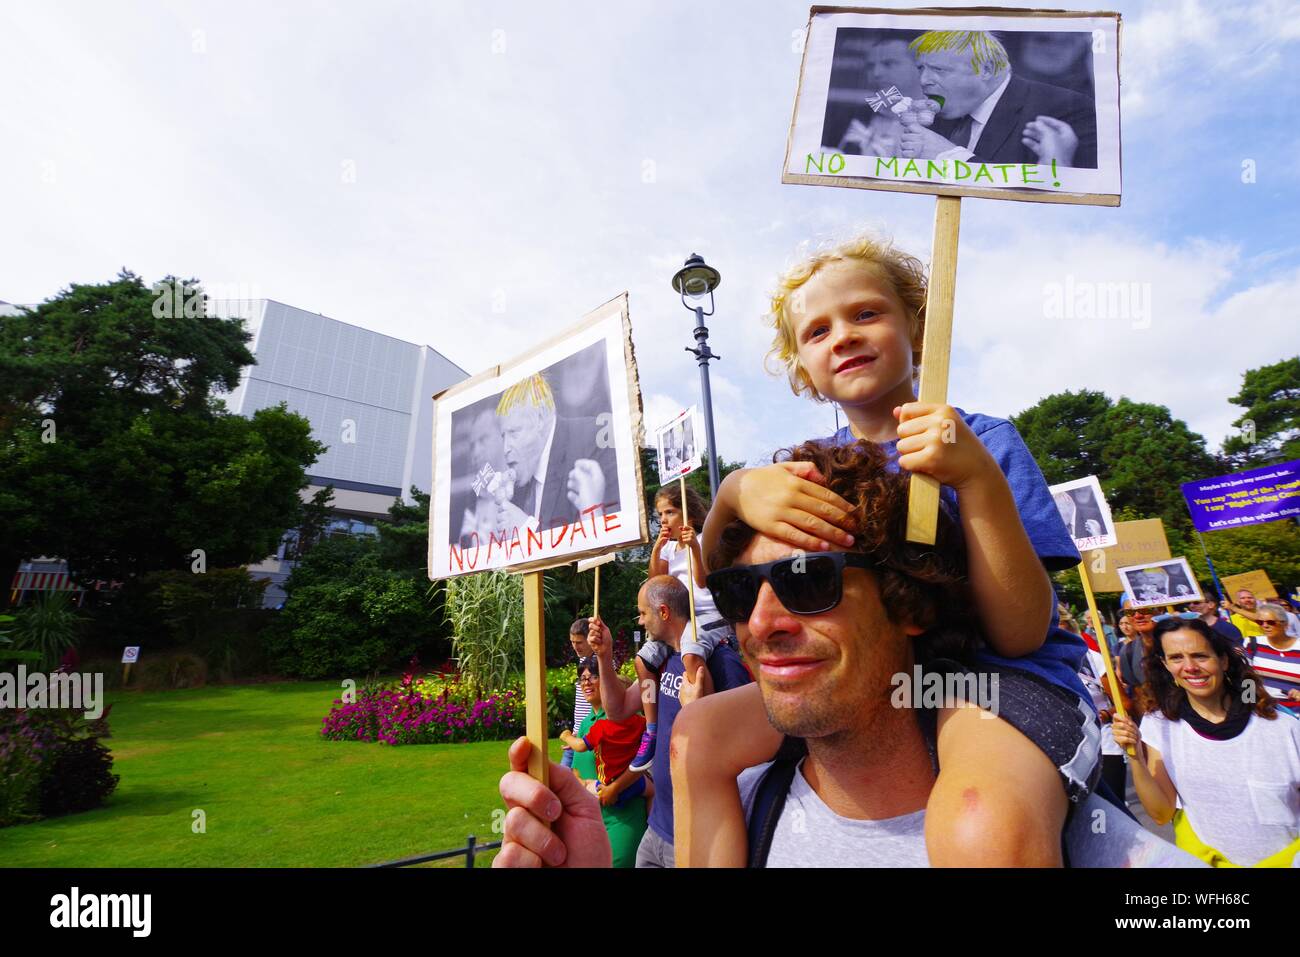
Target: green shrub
pixel 486 614
pixel 48 627
pixel 346 616
pixel 52 762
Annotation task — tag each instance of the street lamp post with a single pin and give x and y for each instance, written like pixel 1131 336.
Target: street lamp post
pixel 697 279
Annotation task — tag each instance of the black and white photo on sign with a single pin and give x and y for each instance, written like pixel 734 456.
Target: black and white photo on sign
pixel 1084 511
pixel 537 462
pixel 679 452
pixel 1024 101
pixel 1160 583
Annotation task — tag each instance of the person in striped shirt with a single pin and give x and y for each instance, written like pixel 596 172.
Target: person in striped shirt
pixel 1276 657
pixel 581 707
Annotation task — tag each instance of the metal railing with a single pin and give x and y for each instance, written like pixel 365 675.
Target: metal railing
pixel 471 850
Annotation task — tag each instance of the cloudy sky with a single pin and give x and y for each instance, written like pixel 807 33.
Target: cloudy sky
pixel 476 176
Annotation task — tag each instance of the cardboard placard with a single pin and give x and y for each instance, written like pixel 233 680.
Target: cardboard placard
pixel 1139 542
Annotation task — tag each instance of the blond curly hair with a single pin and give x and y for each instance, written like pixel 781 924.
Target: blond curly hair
pixel 904 273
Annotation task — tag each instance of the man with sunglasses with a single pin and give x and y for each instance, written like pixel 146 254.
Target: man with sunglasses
pixel 828 634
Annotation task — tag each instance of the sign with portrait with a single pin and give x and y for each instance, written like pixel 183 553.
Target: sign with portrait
pixel 679 445
pixel 997 103
pixel 536 461
pixel 1169 582
pixel 1085 513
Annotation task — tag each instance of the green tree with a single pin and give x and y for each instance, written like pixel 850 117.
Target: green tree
pixel 1064 433
pixel 1270 426
pixel 115 453
pixel 1138 450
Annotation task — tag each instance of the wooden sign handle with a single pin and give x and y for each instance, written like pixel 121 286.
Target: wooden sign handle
pixel 595 598
pixel 936 349
pixel 1116 692
pixel 690 560
pixel 539 763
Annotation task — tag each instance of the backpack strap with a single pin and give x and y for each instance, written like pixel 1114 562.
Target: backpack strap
pixel 769 799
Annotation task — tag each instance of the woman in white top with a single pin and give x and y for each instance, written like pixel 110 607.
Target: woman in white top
pixel 1215 758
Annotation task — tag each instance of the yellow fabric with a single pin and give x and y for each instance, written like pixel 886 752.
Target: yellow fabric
pixel 1247 627
pixel 1187 840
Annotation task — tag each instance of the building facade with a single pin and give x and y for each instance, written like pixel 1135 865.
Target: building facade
pixel 368 397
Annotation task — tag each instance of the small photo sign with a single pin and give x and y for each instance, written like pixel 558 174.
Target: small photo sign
pixel 679 444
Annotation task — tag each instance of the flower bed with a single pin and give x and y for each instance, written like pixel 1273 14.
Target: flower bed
pixel 420 712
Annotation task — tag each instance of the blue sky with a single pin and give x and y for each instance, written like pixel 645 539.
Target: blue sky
pixel 517 165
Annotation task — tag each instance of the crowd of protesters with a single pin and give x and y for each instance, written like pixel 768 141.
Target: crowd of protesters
pixel 800 751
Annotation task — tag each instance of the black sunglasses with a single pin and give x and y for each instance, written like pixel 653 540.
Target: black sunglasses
pixel 804 584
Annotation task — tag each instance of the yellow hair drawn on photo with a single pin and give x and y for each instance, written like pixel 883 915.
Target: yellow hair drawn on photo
pixel 534 391
pixel 985 48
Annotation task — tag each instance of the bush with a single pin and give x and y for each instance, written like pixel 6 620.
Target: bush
pixel 52 762
pixel 48 626
pixel 346 616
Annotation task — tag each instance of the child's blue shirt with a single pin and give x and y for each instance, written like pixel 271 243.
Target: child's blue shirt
pixel 1061 655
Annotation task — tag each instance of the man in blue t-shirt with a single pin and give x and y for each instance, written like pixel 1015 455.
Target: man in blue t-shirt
pixel 663 608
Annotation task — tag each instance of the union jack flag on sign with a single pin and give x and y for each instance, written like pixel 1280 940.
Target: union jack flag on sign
pixel 883 99
pixel 483 478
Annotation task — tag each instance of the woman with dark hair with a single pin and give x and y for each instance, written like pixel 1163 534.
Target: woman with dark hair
pixel 1213 756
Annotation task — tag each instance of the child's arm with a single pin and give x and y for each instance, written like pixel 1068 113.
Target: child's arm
pixel 714 739
pixel 657 565
pixel 572 741
pixel 787 501
pixel 1012 592
pixel 691 541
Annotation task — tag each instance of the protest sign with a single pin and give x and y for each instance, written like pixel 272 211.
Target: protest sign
pixel 678 445
pixel 1267 494
pixel 679 455
pixel 1085 513
pixel 1170 582
pixel 986 102
pixel 536 461
pixel 1257 582
pixel 890 99
pixel 1138 542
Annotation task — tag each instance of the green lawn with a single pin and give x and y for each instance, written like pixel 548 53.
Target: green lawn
pixel 274 792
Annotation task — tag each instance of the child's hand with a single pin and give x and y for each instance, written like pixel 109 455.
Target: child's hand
pixel 665 536
pixel 933 440
pixel 688 537
pixel 789 501
pixel 608 796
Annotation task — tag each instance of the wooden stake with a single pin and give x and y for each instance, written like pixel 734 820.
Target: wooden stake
pixel 1117 696
pixel 126 674
pixel 690 560
pixel 923 492
pixel 595 598
pixel 539 763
